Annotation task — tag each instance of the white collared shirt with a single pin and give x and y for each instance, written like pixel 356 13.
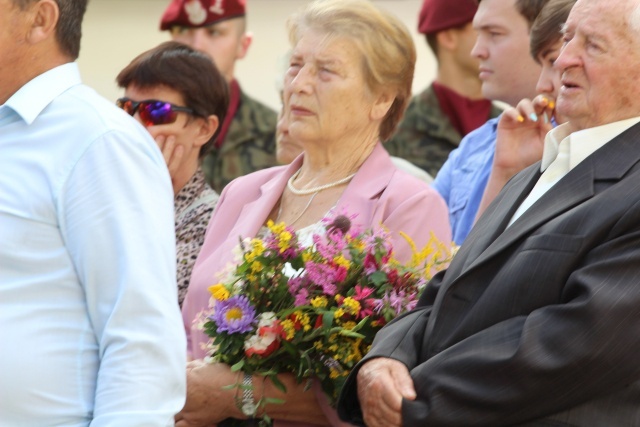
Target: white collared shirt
pixel 564 150
pixel 89 322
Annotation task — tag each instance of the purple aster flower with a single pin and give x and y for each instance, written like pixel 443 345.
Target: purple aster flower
pixel 234 315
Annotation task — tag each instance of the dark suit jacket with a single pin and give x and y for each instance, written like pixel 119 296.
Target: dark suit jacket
pixel 538 323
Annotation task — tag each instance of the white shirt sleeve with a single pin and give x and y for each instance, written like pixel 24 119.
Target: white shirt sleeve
pixel 116 218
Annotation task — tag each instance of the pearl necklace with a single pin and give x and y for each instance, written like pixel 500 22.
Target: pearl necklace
pixel 317 189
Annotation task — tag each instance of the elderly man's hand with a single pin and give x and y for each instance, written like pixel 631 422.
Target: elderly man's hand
pixel 208 402
pixel 382 384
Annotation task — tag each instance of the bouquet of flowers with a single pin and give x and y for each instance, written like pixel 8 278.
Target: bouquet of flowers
pixel 313 311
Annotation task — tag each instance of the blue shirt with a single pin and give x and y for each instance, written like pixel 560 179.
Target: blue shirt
pixel 464 176
pixel 91 332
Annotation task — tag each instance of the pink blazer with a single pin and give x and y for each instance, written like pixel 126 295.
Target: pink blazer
pixel 379 193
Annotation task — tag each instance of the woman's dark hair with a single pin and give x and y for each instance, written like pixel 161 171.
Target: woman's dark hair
pixel 546 29
pixel 187 71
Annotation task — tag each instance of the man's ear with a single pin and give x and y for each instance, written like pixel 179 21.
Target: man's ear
pixel 45 14
pixel 243 46
pixel 208 127
pixel 447 39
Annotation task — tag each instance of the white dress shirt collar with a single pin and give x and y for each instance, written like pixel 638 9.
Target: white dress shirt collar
pixel 581 143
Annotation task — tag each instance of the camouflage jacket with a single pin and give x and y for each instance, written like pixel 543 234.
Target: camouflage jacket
pixel 250 145
pixel 425 135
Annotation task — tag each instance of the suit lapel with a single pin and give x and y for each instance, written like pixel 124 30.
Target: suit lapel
pixel 495 219
pixel 361 195
pixel 255 213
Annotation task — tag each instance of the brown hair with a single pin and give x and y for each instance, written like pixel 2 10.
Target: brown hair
pixel 546 29
pixel 69 25
pixel 530 9
pixel 388 52
pixel 187 71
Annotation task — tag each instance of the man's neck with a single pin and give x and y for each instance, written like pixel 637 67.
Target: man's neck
pixel 29 70
pixel 458 80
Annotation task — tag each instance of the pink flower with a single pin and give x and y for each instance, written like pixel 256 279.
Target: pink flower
pixel 302 297
pixel 362 293
pixel 325 276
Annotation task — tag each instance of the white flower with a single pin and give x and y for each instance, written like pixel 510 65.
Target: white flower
pixel 267 319
pixel 265 336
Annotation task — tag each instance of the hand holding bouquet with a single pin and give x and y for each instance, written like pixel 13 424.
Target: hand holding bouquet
pixel 313 311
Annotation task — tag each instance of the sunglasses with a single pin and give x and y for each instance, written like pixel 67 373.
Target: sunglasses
pixel 152 111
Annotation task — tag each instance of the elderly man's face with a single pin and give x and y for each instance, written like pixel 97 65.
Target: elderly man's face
pixel 600 64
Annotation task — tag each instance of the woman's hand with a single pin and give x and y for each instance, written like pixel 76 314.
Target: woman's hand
pixel 172 152
pixel 207 402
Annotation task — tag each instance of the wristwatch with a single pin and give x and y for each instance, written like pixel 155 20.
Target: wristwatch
pixel 248 404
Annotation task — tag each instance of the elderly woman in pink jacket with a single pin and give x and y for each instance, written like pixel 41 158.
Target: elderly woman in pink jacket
pixel 346 88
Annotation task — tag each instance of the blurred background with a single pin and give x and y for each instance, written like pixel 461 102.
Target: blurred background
pixel 115 31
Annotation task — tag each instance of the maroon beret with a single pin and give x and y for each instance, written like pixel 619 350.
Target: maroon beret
pixel 439 15
pixel 200 13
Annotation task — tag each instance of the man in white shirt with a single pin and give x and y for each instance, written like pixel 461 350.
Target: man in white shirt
pixel 536 320
pixel 90 328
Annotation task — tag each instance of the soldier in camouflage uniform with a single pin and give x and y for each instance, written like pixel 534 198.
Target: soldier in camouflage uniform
pixel 438 118
pixel 250 144
pixel 247 139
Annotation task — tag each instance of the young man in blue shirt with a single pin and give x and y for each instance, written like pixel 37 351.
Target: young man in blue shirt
pixel 508 74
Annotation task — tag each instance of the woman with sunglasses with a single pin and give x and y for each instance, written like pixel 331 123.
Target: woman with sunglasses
pixel 346 88
pixel 181 98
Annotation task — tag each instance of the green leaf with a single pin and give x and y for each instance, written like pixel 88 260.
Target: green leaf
pixel 237 366
pixel 378 278
pixel 350 334
pixel 273 400
pixel 327 319
pixel 277 383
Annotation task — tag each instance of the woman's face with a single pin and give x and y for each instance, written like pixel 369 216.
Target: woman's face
pixel 325 92
pixel 187 130
pixel 549 81
pixel 287 148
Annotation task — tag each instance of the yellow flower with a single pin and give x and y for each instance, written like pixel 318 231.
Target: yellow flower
pixel 319 302
pixel 349 325
pixel 306 256
pixel 219 292
pixel 351 306
pixel 303 318
pixel 289 329
pixel 338 314
pixel 275 228
pixel 258 246
pixel 284 240
pixel 342 261
pixel 256 267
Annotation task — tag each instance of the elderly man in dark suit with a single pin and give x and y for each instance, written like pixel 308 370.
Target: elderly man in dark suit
pixel 537 320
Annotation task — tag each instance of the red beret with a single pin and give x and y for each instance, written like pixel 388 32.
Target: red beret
pixel 439 15
pixel 200 13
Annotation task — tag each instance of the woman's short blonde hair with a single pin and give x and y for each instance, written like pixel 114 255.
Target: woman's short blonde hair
pixel 388 52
